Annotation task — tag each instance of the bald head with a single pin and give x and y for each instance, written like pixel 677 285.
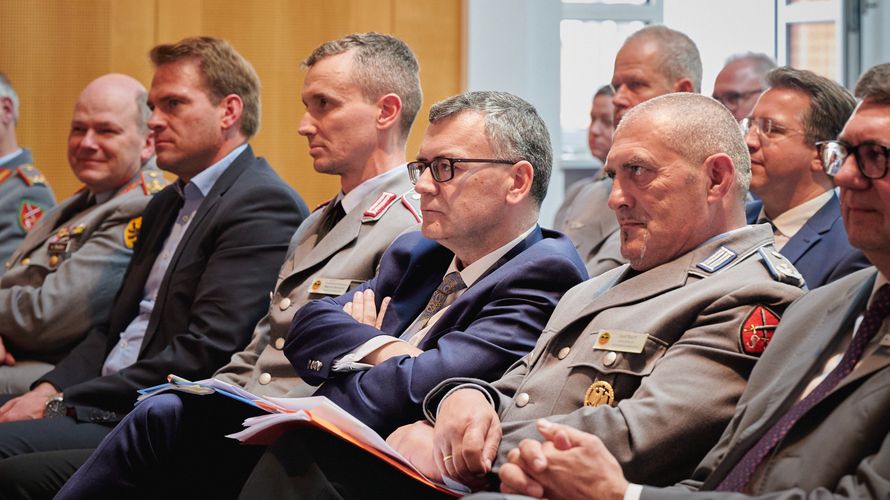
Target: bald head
pixel 109 138
pixel 741 81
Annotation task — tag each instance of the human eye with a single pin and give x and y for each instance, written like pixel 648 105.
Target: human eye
pixel 443 167
pixel 610 173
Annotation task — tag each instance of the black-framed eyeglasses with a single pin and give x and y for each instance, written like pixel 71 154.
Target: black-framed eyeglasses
pixel 442 169
pixel 732 98
pixel 766 127
pixel 871 158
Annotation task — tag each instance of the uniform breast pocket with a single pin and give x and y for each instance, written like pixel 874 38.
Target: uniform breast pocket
pixel 604 376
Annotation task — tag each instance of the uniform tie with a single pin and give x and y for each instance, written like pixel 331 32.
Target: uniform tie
pixel 332 215
pixel 874 316
pixel 452 282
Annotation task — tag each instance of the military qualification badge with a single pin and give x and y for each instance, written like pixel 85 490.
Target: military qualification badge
pixel 757 330
pixel 131 232
pixel 599 393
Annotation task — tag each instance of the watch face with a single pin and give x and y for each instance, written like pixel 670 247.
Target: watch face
pixel 55 407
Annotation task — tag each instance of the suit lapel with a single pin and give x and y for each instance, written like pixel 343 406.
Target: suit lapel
pixel 812 231
pixel 411 295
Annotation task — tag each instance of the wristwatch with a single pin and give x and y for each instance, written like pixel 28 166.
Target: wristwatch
pixel 55 407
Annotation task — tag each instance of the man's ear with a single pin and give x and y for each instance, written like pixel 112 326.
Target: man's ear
pixel 148 148
pixel 720 173
pixel 232 107
pixel 684 85
pixel 521 176
pixel 390 111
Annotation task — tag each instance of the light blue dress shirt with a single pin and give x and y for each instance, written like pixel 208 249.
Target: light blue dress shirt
pixel 126 351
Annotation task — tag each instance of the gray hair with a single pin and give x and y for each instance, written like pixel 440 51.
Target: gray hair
pixel 143 112
pixel 679 54
pixel 699 126
pixel 760 63
pixel 830 104
pixel 6 90
pixel 874 84
pixel 383 65
pixel 606 90
pixel 513 127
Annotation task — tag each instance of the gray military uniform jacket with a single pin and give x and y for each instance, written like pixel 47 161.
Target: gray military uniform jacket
pixel 661 355
pixel 587 220
pixel 24 198
pixel 350 251
pixel 61 281
pixel 841 447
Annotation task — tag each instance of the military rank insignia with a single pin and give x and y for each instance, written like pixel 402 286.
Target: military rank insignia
pixel 4 174
pixel 758 329
pixel 131 233
pixel 29 213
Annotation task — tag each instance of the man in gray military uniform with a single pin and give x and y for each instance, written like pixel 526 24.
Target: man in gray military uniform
pixel 61 281
pixel 654 61
pixel 651 356
pixel 24 193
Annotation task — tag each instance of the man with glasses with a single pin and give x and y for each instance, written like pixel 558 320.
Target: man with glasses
pixel 812 422
pixel 466 296
pixel 741 81
pixel 797 197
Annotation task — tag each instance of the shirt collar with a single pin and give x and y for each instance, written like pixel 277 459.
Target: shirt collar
pixel 205 180
pixel 350 200
pixel 789 222
pixel 474 271
pixel 6 158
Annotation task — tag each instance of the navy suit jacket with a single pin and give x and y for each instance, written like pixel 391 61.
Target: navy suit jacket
pixel 491 325
pixel 214 291
pixel 820 250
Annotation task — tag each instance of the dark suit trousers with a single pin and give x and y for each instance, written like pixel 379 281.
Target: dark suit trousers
pixel 170 446
pixel 307 463
pixel 37 456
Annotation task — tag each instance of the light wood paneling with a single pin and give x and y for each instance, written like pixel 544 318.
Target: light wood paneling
pixel 52 48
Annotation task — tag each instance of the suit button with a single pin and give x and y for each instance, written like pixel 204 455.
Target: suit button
pixel 610 358
pixel 265 378
pixel 284 304
pixel 279 343
pixel 564 352
pixel 522 399
pixel 26 261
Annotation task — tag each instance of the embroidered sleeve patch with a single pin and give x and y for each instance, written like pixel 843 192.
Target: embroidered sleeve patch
pixel 758 329
pixel 131 233
pixel 29 213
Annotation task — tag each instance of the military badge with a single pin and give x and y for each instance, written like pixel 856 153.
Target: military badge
pixel 131 233
pixel 599 393
pixel 29 213
pixel 4 174
pixel 758 329
pixel 316 285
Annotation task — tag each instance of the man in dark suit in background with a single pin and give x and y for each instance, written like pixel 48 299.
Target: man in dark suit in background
pixel 797 197
pixel 205 260
pixel 812 422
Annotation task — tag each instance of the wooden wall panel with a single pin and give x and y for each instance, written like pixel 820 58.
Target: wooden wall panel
pixel 52 48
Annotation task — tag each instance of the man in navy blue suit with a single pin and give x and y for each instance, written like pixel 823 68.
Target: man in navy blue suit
pixel 467 296
pixel 799 110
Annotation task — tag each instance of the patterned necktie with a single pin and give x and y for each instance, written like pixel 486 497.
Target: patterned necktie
pixel 874 316
pixel 451 283
pixel 329 219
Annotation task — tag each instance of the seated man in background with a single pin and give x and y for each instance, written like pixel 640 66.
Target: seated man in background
pixel 812 422
pixel 205 260
pixel 798 111
pixel 61 281
pixel 741 81
pixel 24 193
pixel 651 356
pixel 339 245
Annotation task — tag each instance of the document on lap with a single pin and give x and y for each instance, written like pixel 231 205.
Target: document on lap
pixel 315 411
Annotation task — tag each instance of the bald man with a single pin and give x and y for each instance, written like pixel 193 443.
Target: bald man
pixel 61 281
pixel 741 81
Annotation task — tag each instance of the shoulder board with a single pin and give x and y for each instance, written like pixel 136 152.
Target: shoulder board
pixel 4 174
pixel 31 175
pixel 411 207
pixel 780 268
pixel 153 181
pixel 379 207
pixel 717 260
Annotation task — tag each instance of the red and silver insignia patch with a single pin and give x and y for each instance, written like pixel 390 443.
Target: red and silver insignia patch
pixel 29 214
pixel 758 329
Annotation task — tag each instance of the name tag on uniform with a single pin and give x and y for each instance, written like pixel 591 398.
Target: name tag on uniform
pixel 621 341
pixel 885 342
pixel 329 286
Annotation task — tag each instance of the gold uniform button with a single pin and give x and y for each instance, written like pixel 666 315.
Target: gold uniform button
pixel 564 352
pixel 522 399
pixel 610 358
pixel 54 260
pixel 279 343
pixel 284 304
pixel 26 261
pixel 265 378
